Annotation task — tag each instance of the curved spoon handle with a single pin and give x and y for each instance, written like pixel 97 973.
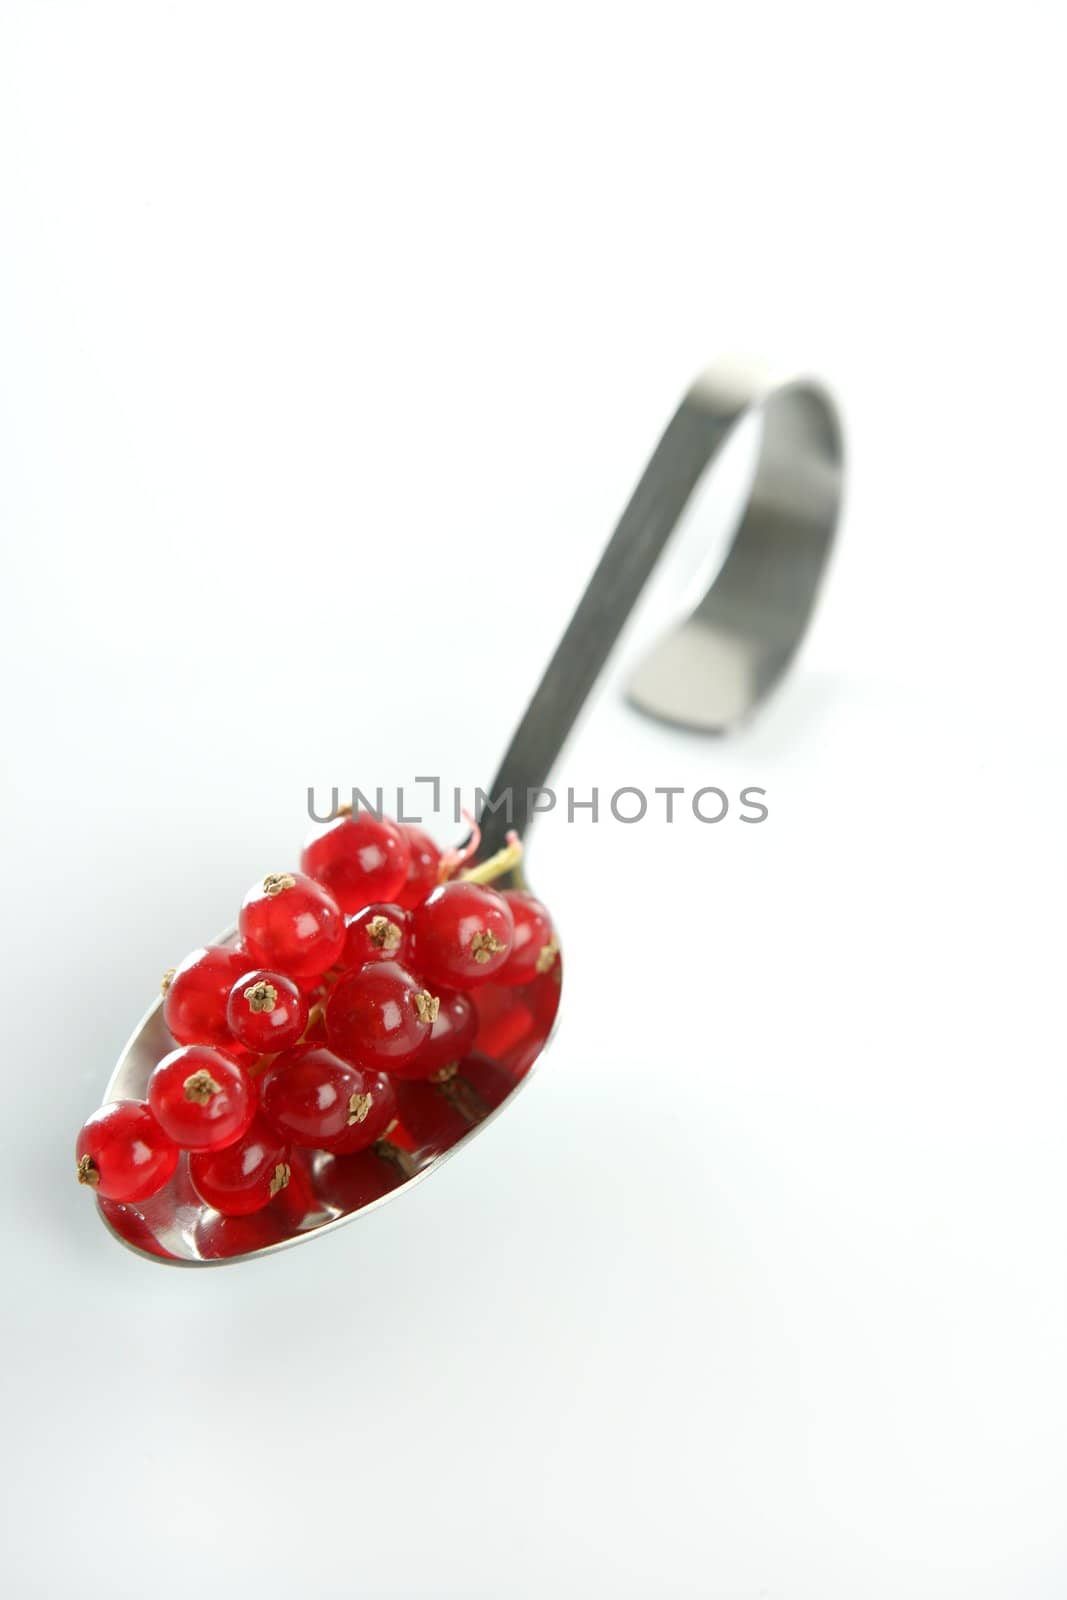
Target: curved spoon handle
pixel 715 668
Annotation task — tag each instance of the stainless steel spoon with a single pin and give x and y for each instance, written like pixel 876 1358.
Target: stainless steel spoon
pixel 709 673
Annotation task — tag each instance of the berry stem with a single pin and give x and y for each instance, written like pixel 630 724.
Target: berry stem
pixel 261 1063
pixel 314 1015
pixel 505 860
pixel 452 860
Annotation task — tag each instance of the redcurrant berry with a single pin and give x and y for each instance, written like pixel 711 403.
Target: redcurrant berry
pixel 246 1175
pixel 201 1098
pixel 371 1113
pixel 359 859
pixel 380 1015
pixel 123 1153
pixel 266 1011
pixel 535 948
pixel 451 1037
pixel 462 935
pixel 377 933
pixel 423 867
pixel 311 1097
pixel 289 922
pixel 195 994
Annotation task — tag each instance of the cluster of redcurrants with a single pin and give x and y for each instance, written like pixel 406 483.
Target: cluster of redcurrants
pixel 350 973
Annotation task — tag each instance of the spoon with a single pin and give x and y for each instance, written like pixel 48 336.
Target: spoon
pixel 710 673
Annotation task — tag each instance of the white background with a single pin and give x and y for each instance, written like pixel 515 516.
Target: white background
pixel 332 339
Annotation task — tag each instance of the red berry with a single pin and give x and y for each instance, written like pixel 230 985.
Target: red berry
pixel 378 933
pixel 463 935
pixel 371 1115
pixel 535 948
pixel 201 1098
pixel 380 1015
pixel 194 996
pixel 246 1175
pixel 123 1153
pixel 311 1097
pixel 266 1011
pixel 451 1037
pixel 289 922
pixel 360 859
pixel 423 867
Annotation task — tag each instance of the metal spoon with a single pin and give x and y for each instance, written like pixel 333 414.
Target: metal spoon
pixel 709 673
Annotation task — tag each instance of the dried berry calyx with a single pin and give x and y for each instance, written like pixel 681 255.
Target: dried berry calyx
pixel 485 945
pixel 200 1086
pixel 427 1005
pixel 383 934
pixel 261 996
pixel 359 1107
pixel 546 956
pixel 278 882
